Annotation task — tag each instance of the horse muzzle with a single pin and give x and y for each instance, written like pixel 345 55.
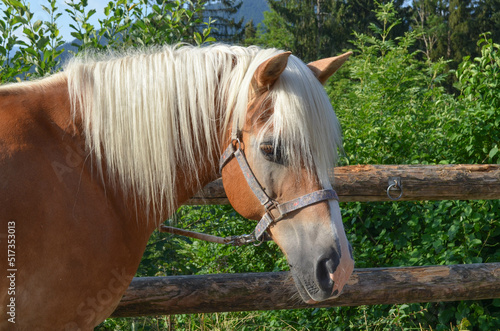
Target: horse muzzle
pixel 323 277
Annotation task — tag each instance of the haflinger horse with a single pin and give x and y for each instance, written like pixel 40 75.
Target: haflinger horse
pixel 92 159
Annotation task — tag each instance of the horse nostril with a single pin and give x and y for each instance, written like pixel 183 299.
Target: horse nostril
pixel 324 271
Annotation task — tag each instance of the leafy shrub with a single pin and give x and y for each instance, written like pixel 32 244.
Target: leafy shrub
pixel 474 128
pixel 387 100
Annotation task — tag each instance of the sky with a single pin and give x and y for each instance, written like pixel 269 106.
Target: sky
pixel 64 21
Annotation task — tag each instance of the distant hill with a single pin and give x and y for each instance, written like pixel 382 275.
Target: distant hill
pixel 250 10
pixel 253 9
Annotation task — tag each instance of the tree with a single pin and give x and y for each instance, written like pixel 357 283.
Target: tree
pixel 322 28
pixel 460 32
pixel 299 16
pixel 429 24
pixel 449 29
pixel 249 31
pixel 127 23
pixel 486 18
pixel 225 26
pixel 272 32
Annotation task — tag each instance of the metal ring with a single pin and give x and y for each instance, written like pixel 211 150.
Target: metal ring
pixel 395 186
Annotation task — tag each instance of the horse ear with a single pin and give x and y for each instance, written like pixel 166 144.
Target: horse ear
pixel 269 71
pixel 324 68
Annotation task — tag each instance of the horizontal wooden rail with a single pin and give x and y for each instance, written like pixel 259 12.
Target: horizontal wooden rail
pixel 270 291
pixel 419 182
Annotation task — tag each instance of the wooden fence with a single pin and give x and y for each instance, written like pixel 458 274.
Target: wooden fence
pixel 268 291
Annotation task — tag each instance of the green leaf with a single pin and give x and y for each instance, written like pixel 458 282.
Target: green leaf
pixel 476 242
pixel 493 152
pixel 19 19
pixel 42 42
pixel 31 51
pixel 140 24
pixel 37 25
pixel 197 38
pixel 29 33
pixel 91 13
pixel 16 3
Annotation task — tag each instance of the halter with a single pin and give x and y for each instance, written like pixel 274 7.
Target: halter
pixel 274 211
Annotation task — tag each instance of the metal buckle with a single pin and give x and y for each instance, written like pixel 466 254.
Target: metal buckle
pixel 270 206
pixel 241 240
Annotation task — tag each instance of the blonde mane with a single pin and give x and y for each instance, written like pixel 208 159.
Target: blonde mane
pixel 148 115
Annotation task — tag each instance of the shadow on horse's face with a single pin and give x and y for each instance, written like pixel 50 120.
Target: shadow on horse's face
pixel 312 236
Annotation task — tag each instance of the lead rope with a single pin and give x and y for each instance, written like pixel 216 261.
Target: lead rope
pixel 231 240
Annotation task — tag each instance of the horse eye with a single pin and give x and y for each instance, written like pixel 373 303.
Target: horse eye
pixel 271 153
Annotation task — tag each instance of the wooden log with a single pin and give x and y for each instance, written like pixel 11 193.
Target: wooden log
pixel 270 291
pixel 419 182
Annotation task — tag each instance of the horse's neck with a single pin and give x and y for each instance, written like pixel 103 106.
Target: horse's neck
pixel 46 99
pixel 187 186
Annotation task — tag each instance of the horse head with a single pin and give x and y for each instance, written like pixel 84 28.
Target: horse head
pixel 276 170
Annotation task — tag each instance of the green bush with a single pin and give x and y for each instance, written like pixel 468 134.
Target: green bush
pixel 387 100
pixel 474 128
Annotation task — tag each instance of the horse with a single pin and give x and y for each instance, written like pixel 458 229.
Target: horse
pixel 94 158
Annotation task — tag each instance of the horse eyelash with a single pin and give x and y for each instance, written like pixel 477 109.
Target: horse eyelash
pixel 271 152
pixel 267 148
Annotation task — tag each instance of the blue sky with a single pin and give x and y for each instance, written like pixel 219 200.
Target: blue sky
pixel 64 20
